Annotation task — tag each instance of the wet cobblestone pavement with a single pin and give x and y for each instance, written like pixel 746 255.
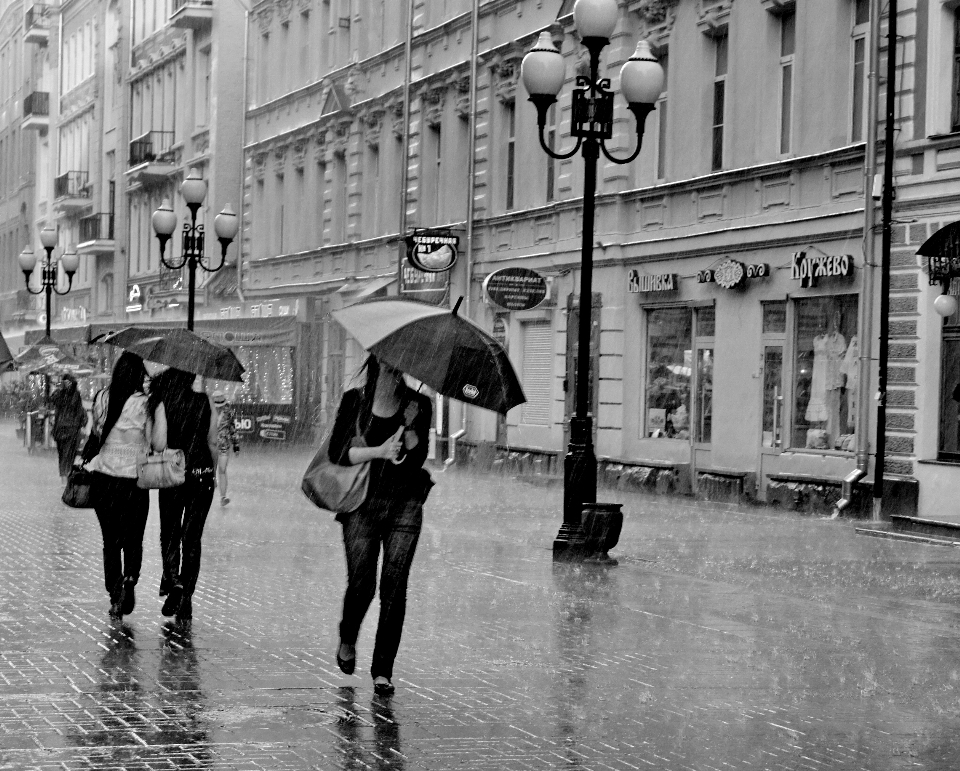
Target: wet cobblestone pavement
pixel 725 639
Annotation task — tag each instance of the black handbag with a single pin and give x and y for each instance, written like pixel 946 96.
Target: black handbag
pixel 78 494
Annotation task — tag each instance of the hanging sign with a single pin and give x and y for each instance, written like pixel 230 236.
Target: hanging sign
pixel 515 289
pixel 807 268
pixel 134 304
pixel 638 283
pixel 432 251
pixel 732 273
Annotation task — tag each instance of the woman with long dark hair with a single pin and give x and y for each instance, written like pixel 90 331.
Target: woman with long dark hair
pixel 122 422
pixel 388 424
pixel 184 420
pixel 69 419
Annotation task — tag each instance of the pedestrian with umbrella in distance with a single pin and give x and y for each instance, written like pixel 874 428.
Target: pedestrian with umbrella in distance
pixel 69 419
pixel 186 420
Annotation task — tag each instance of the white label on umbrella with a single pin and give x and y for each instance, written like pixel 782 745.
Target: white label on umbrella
pixel 471 391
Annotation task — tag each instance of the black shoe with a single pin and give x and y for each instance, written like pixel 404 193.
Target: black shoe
pixel 172 604
pixel 346 665
pixel 185 611
pixel 115 611
pixel 128 598
pixel 384 689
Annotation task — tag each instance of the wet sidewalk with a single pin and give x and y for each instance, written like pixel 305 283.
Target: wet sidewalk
pixel 725 639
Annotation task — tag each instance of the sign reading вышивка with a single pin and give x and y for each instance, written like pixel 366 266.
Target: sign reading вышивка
pixel 807 268
pixel 638 283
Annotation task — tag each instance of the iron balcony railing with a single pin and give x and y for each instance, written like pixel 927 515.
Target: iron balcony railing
pixel 37 103
pixel 96 227
pixel 73 184
pixel 152 146
pixel 38 16
pixel 178 4
pixel 170 280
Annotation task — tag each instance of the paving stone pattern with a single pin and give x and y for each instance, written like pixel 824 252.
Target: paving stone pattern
pixel 726 639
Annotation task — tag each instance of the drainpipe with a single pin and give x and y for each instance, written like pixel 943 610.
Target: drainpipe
pixel 471 169
pixel 243 149
pixel 869 272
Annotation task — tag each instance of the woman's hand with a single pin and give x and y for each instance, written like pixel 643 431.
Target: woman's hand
pixel 390 449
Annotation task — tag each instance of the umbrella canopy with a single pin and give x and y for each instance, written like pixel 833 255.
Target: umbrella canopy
pixel 943 247
pixel 5 356
pixel 449 353
pixel 66 365
pixel 41 354
pixel 179 348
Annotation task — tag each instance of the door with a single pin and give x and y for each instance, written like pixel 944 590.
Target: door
pixel 772 420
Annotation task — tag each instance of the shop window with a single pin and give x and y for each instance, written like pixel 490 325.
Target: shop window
pixel 537 372
pixel 669 372
pixel 949 446
pixel 703 405
pixel 826 372
pixel 268 374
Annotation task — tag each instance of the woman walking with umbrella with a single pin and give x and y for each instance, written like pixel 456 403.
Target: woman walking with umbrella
pixel 185 420
pixel 122 422
pixel 387 424
pixel 69 419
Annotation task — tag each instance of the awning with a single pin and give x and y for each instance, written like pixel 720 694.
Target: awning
pixel 358 290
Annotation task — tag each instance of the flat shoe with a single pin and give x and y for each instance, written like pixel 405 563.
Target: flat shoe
pixel 172 604
pixel 346 665
pixel 384 689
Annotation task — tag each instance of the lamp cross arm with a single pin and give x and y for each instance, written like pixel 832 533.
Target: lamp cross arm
pixel 640 110
pixel 69 286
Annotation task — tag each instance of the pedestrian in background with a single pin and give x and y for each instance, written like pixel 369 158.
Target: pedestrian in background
pixel 121 419
pixel 226 440
pixel 387 424
pixel 69 419
pixel 185 420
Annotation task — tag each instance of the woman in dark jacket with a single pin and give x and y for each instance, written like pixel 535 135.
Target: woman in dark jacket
pixel 388 424
pixel 69 419
pixel 183 419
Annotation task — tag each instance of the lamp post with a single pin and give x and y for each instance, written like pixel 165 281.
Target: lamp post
pixel 641 80
pixel 49 272
pixel 225 225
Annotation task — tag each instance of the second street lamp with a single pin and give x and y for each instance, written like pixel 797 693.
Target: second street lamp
pixel 49 272
pixel 225 225
pixel 641 80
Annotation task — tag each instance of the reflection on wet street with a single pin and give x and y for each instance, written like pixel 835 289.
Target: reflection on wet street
pixel 725 639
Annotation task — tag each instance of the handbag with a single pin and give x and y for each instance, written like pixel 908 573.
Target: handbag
pixel 78 494
pixel 336 488
pixel 158 470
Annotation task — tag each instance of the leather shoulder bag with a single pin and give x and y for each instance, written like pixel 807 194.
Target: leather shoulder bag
pixel 336 488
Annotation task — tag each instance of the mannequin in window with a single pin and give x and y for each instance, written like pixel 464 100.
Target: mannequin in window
pixel 829 347
pixel 851 370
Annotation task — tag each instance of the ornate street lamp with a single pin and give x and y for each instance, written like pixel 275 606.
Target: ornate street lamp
pixel 641 80
pixel 225 225
pixel 49 272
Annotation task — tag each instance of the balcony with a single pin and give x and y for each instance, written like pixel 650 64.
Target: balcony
pixel 71 191
pixel 36 24
pixel 192 14
pixel 152 157
pixel 36 111
pixel 96 234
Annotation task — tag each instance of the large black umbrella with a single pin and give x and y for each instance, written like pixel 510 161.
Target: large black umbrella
pixel 437 346
pixel 944 247
pixel 5 356
pixel 180 348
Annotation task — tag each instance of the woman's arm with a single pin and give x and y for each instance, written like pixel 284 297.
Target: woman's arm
pixel 158 434
pixel 212 432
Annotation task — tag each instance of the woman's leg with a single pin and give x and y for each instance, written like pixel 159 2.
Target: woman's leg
pixel 361 542
pixel 109 516
pixel 171 528
pixel 199 495
pixel 134 524
pixel 402 531
pixel 222 460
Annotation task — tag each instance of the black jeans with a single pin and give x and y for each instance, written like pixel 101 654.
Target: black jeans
pixel 183 513
pixel 396 524
pixel 68 445
pixel 122 510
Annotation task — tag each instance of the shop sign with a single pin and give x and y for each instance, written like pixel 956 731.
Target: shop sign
pixel 515 289
pixel 273 427
pixel 807 268
pixel 432 251
pixel 732 273
pixel 134 305
pixel 638 283
pixel 73 314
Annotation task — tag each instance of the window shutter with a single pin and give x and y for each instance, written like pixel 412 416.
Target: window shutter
pixel 537 372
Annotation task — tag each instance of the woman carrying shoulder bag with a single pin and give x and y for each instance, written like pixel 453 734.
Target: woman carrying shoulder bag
pixel 184 420
pixel 387 424
pixel 121 419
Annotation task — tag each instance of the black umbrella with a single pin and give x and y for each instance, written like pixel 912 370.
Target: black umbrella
pixel 437 346
pixel 179 348
pixel 943 247
pixel 5 356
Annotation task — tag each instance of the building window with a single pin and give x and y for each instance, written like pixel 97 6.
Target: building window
pixel 955 100
pixel 787 48
pixel 552 144
pixel 437 193
pixel 662 125
pixel 105 300
pixel 537 372
pixel 510 114
pixel 826 370
pixel 339 197
pixel 719 99
pixel 669 373
pixel 703 376
pixel 861 24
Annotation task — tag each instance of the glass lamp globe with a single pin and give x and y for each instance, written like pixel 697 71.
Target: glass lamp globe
pixel 542 70
pixel 945 305
pixel 641 77
pixel 226 224
pixel 48 237
pixel 70 262
pixel 164 220
pixel 27 259
pixel 595 18
pixel 194 188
